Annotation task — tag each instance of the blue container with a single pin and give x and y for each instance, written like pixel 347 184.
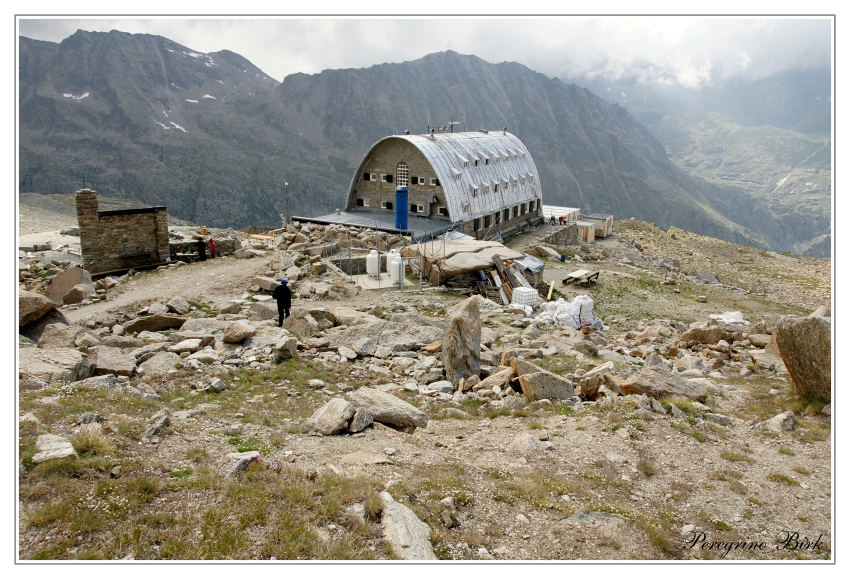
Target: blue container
pixel 401 208
pixel 563 257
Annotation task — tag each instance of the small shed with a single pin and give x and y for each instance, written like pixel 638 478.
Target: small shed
pixel 604 224
pixel 586 231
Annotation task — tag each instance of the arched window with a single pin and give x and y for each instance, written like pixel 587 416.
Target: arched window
pixel 402 174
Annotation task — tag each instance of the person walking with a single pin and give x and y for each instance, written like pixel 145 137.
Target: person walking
pixel 202 249
pixel 283 295
pixel 212 248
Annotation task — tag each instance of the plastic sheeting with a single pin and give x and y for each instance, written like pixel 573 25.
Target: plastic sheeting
pixel 576 314
pixel 731 318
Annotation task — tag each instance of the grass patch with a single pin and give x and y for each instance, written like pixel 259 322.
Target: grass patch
pixel 646 467
pixel 786 451
pixel 801 470
pixel 735 457
pixel 781 478
pixel 91 441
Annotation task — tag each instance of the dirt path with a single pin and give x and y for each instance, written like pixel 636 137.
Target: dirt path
pixel 215 281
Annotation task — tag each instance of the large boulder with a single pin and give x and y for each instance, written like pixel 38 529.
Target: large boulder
pixel 154 323
pixel 500 379
pixel 122 342
pixel 65 282
pixel 704 334
pixel 805 345
pixel 462 341
pixel 78 293
pixel 539 384
pixel 238 331
pixel 659 382
pixel 35 329
pixel 204 325
pixel 264 310
pixel 53 365
pixel 113 361
pixel 331 418
pixel 59 336
pixel 407 536
pixel 593 379
pixel 32 306
pixel 388 409
pixel 160 363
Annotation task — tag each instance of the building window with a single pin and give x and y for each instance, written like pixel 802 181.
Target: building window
pixel 516 210
pixel 442 211
pixel 498 217
pixel 476 225
pixel 487 221
pixel 522 209
pixel 457 177
pixel 486 188
pixel 496 188
pixel 359 203
pixel 475 162
pixel 475 191
pixel 413 207
pixel 497 159
pixel 486 161
pixel 386 204
pixel 387 178
pixel 366 176
pixel 507 213
pixel 466 163
pixel 402 174
pixel 414 180
pixel 532 206
pixel 435 182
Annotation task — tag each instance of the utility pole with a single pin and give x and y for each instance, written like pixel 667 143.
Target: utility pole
pixel 287 216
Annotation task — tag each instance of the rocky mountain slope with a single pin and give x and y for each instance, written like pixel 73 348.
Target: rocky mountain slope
pixel 208 432
pixel 213 138
pixel 790 171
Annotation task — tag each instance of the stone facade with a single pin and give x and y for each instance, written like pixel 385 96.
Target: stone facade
pixel 120 239
pixel 374 194
pixel 563 236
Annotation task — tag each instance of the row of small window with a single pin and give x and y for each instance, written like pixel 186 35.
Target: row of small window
pixel 507 186
pixel 414 207
pixel 496 158
pixel 499 216
pixel 389 179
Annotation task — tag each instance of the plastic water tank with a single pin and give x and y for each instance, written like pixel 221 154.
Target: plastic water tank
pixel 525 296
pixel 373 263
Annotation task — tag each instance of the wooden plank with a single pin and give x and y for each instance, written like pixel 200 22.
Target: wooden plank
pixel 503 287
pixel 505 272
pixel 520 278
pixel 551 287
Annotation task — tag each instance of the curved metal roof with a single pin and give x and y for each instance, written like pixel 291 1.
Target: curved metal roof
pixel 446 152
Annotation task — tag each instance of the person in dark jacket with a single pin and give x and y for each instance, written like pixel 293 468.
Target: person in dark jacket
pixel 202 249
pixel 283 295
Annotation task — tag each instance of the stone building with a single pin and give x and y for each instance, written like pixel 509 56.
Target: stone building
pixel 114 240
pixel 480 183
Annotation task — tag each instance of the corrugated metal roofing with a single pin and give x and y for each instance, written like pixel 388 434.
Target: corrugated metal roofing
pixel 444 152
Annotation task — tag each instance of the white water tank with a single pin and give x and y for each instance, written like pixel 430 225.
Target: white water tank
pixel 373 263
pixel 396 267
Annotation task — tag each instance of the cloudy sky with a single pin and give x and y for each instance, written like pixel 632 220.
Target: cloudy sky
pixel 692 52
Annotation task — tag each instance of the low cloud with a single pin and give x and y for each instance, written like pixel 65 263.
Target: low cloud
pixel 691 52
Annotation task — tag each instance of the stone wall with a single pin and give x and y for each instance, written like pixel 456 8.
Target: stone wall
pixel 223 247
pixel 120 239
pixel 506 227
pixel 563 235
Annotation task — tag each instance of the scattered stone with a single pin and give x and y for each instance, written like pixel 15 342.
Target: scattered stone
pixel 178 305
pixel 525 443
pixel 406 534
pixel 364 458
pixel 238 331
pixel 51 446
pixel 331 418
pixel 157 422
pixel 388 409
pixel 66 282
pixel 154 323
pixel 243 460
pixel 360 420
pixel 89 417
pixel 113 361
pixel 779 423
pixel 593 379
pixel 538 384
pixel 718 419
pixel 659 382
pixel 32 306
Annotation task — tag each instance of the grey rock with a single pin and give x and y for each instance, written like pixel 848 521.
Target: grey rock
pixel 154 323
pixel 525 443
pixel 178 305
pixel 65 282
pixel 538 384
pixel 406 534
pixel 190 345
pixel 331 418
pixel 360 420
pixel 51 446
pixel 109 360
pixel 89 417
pixel 205 339
pixel 59 336
pixel 827 410
pixel 462 341
pixel 157 422
pixel 243 459
pixel 78 293
pixel 51 365
pixel 217 385
pixel 287 347
pixel 593 379
pixel 657 407
pixel 674 410
pixel 160 363
pixel 779 423
pixel 805 345
pixel 157 308
pixel 442 386
pixel 659 382
pixel 717 419
pixel 238 331
pixel 388 409
pixel 122 342
pixel 32 306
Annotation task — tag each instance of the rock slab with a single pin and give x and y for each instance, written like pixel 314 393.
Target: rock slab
pixel 51 446
pixel 659 382
pixel 462 341
pixel 331 418
pixel 406 534
pixel 388 409
pixel 805 345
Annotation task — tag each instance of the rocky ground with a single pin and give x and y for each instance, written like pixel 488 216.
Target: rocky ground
pixel 199 434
